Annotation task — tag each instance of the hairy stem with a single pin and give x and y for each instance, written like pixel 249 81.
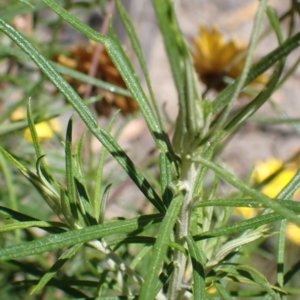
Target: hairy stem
pixel 189 172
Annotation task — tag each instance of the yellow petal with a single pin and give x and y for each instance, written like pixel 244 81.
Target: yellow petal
pixel 275 186
pixel 246 212
pixel 214 57
pixel 18 114
pixel 44 130
pixel 264 169
pixel 293 233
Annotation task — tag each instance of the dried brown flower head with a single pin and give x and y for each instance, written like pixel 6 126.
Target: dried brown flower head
pixel 80 59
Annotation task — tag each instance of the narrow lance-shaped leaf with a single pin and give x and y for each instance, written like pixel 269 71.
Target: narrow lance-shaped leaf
pixel 28 224
pixel 257 69
pixel 102 135
pixel 5 50
pixel 239 184
pixel 247 63
pixel 138 51
pixel 56 267
pixel 159 250
pixel 124 67
pixel 98 203
pixel 169 33
pixel 74 237
pixel 70 171
pixel 39 182
pixel 198 269
pixel 36 142
pixel 246 202
pixel 282 232
pixel 239 227
pixel 165 178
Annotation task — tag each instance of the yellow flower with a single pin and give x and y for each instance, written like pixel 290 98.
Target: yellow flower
pixel 215 58
pixel 246 212
pixel 274 187
pixel 44 130
pixel 17 115
pixel 211 289
pixel 262 171
pixel 293 233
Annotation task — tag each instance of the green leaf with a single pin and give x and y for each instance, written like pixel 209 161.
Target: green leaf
pixel 102 135
pixel 247 111
pixel 55 268
pixel 198 269
pixel 84 205
pixel 247 63
pixel 66 208
pixel 124 67
pixel 38 181
pixel 169 29
pixel 164 277
pixel 239 184
pixel 248 202
pixel 165 178
pixel 8 179
pixel 275 22
pixel 222 291
pixel 91 80
pixel 132 170
pixel 159 250
pixel 74 237
pixel 70 172
pixel 35 138
pixel 259 278
pixel 29 224
pixel 17 216
pixel 12 10
pixel 5 50
pixel 99 204
pixel 257 69
pixel 138 51
pixel 239 226
pixel 232 245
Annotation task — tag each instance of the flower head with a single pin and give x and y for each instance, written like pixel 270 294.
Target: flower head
pixel 215 58
pixel 264 170
pixel 267 169
pixel 80 59
pixel 45 130
pixel 246 212
pixel 293 233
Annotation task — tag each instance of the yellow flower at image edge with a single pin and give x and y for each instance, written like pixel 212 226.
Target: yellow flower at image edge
pixel 44 130
pixel 293 233
pixel 263 170
pixel 215 58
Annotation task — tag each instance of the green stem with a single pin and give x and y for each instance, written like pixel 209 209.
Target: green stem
pixel 189 171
